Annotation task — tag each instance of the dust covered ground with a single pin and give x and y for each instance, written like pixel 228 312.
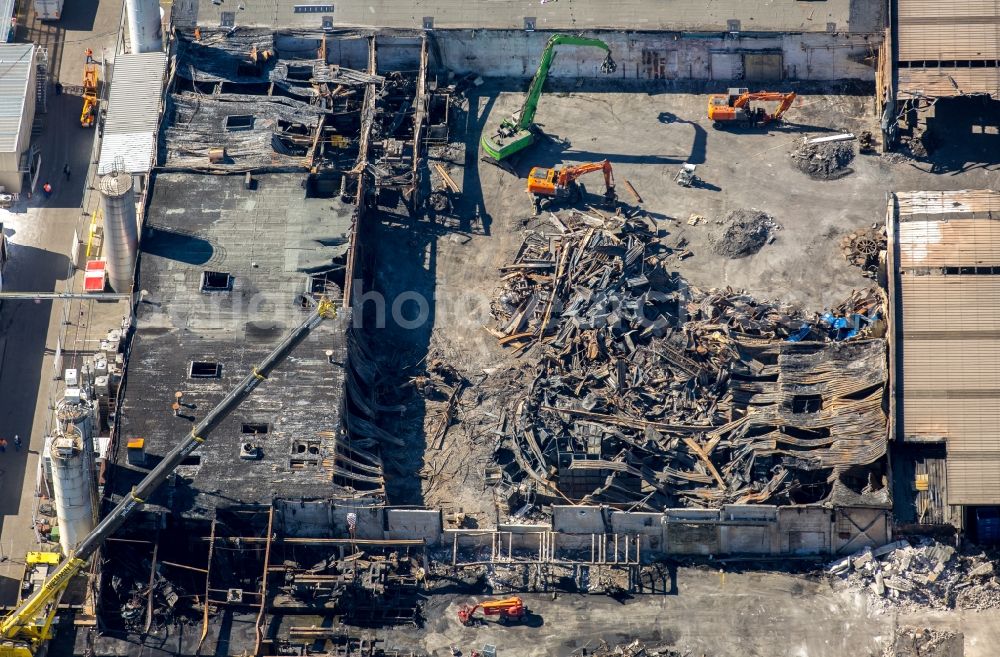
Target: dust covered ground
pixel 453 377
pixel 711 612
pixel 452 258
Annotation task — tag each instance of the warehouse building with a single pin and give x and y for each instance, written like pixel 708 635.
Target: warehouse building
pixel 17 113
pixel 945 259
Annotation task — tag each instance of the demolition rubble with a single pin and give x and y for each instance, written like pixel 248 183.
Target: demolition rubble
pixel 824 161
pixel 636 649
pixel 743 233
pixel 925 642
pixel 925 575
pixel 645 393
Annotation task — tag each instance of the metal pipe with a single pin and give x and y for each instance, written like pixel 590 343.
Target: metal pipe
pixel 93 296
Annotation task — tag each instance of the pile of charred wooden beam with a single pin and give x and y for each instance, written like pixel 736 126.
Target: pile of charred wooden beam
pixel 643 392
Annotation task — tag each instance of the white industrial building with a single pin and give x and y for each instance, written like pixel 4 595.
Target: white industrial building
pixel 134 105
pixel 17 112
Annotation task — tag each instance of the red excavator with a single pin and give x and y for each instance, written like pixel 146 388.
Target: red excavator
pixel 506 610
pixel 560 183
pixel 734 108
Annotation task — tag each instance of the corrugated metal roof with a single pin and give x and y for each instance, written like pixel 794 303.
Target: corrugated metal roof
pixel 964 243
pixel 133 112
pixel 16 60
pixel 946 82
pixel 948 31
pixel 949 328
pixel 6 13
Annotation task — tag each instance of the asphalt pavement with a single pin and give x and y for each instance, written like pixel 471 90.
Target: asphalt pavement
pixel 40 238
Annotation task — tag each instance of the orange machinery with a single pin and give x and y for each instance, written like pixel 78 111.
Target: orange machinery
pixel 508 609
pixel 734 108
pixel 89 113
pixel 560 183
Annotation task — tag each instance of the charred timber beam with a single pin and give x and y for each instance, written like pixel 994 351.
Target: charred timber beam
pixel 259 625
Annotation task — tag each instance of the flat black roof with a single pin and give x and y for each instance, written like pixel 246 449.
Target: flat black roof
pixel 264 248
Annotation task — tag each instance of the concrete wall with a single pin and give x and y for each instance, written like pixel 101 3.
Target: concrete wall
pixel 639 55
pixel 328 519
pixel 734 530
pixel 659 55
pixel 414 523
pixel 397 53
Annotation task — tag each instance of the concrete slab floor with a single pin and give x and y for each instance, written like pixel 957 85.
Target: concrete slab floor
pixel 715 614
pixel 647 138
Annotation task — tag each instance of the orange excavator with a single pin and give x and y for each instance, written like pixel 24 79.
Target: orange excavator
pixel 560 183
pixel 506 610
pixel 89 113
pixel 734 108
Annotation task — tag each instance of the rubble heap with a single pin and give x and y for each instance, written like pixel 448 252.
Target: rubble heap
pixel 743 233
pixel 636 649
pixel 643 392
pixel 928 574
pixel 925 642
pixel 824 161
pixel 863 248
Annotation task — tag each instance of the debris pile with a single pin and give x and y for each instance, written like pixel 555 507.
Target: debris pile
pixel 925 642
pixel 824 161
pixel 743 233
pixel 636 649
pixel 862 248
pixel 161 599
pixel 646 393
pixel 929 574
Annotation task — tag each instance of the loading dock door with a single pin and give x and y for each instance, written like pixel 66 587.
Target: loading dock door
pixel 727 66
pixel 763 67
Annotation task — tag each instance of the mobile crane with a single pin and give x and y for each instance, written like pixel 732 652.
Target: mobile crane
pixel 24 630
pixel 508 609
pixel 518 131
pixel 89 113
pixel 560 183
pixel 734 108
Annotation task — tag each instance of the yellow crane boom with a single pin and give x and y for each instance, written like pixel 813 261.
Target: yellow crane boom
pixel 24 630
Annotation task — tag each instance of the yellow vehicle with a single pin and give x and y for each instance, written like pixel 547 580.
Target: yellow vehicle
pixel 24 631
pixel 89 114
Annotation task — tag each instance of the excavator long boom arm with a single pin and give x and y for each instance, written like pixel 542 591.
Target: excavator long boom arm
pixel 570 174
pixel 785 100
pixel 12 626
pixel 538 82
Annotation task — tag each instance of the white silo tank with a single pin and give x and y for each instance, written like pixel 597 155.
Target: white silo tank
pixel 77 413
pixel 73 488
pixel 145 25
pixel 121 235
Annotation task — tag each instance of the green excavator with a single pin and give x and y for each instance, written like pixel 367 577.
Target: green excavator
pixel 518 132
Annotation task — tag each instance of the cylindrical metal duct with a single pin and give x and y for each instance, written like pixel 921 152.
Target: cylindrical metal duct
pixel 73 486
pixel 145 27
pixel 121 239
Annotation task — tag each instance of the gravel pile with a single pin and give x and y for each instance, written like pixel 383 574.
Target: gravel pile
pixel 828 161
pixel 743 233
pixel 927 575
